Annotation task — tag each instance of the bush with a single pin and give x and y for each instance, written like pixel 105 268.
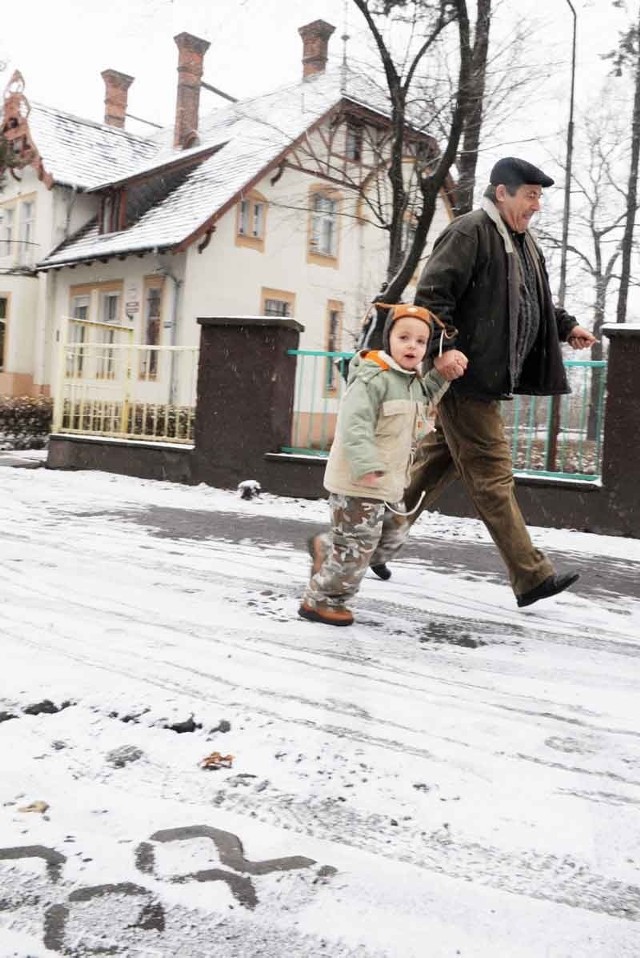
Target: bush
pixel 25 421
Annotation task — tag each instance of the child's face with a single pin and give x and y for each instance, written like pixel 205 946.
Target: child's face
pixel 408 342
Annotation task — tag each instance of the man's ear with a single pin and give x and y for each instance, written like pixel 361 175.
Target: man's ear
pixel 501 192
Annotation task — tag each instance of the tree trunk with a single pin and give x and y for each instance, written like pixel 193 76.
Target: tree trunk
pixel 468 156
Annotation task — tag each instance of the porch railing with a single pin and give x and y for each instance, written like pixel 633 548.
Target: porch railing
pixel 575 442
pixel 110 386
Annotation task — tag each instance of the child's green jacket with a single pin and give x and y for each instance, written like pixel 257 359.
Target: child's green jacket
pixel 383 414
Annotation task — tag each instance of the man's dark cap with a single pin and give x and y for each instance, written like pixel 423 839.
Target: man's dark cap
pixel 512 171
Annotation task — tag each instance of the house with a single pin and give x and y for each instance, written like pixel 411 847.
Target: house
pixel 265 206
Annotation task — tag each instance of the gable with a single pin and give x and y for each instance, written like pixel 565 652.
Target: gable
pixel 62 148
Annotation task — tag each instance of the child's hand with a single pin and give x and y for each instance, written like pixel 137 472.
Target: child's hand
pixel 371 478
pixel 451 364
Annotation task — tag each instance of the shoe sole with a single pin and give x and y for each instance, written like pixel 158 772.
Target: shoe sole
pixel 314 616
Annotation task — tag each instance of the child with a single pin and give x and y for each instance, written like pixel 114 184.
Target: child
pixel 383 414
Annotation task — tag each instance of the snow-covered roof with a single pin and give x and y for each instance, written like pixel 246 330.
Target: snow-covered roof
pixel 252 135
pixel 81 153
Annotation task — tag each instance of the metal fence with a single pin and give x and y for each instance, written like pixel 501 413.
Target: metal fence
pixel 110 386
pixel 557 438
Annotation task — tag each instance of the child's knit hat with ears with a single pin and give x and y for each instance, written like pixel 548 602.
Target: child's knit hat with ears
pixel 399 312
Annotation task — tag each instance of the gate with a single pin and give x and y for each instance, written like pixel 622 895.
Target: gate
pixel 110 386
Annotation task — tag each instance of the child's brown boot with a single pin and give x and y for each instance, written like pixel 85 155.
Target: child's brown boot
pixel 329 614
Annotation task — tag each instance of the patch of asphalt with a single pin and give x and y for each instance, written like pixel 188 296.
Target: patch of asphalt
pixel 603 578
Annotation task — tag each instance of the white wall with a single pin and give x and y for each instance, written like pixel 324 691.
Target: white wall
pixel 227 279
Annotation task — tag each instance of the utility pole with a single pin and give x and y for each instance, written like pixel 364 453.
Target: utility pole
pixel 632 189
pixel 568 166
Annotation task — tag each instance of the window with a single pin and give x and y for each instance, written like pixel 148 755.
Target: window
pixel 353 145
pixel 92 353
pixel 277 302
pixel 109 313
pixel 251 221
pixel 77 335
pixel 4 309
pixel 6 231
pixel 333 340
pixel 324 225
pixel 151 327
pixel 26 249
pixel 276 307
pixel 80 307
pixel 110 307
pixel 251 218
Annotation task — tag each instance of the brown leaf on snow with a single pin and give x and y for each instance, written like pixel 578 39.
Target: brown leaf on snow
pixel 35 807
pixel 216 760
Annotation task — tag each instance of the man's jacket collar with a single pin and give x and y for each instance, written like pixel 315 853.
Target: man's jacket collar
pixel 493 213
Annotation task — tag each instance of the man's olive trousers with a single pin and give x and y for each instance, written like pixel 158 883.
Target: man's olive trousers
pixel 470 443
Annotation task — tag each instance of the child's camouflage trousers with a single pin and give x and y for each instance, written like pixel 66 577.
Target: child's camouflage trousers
pixel 356 527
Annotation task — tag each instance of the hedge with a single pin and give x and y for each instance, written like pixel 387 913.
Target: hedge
pixel 25 421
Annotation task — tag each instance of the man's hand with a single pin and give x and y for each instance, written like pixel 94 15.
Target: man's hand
pixel 581 338
pixel 451 364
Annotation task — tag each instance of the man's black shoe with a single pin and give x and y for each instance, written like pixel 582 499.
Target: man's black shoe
pixel 382 570
pixel 550 586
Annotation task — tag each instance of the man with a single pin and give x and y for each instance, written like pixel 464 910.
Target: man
pixel 487 277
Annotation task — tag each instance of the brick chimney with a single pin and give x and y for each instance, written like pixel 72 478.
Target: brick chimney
pixel 315 43
pixel 115 97
pixel 190 56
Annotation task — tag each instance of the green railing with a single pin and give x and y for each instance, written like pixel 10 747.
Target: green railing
pixel 555 438
pixel 561 437
pixel 319 387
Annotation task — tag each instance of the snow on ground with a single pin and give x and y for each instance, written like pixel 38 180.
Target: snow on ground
pixel 450 776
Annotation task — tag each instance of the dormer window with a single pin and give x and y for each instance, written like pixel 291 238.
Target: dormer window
pixel 112 212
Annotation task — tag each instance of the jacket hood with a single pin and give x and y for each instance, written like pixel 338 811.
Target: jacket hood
pixel 377 357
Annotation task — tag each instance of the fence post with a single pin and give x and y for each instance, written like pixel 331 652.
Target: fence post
pixel 245 395
pixel 129 361
pixel 59 392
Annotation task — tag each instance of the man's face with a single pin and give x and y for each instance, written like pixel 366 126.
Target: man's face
pixel 518 209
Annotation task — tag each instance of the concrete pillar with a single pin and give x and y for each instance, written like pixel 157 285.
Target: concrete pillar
pixel 621 447
pixel 245 396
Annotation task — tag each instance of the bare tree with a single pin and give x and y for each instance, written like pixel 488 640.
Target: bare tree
pixel 600 207
pixel 468 155
pixel 428 24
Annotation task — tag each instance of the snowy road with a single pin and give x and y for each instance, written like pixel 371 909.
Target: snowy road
pixel 451 776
